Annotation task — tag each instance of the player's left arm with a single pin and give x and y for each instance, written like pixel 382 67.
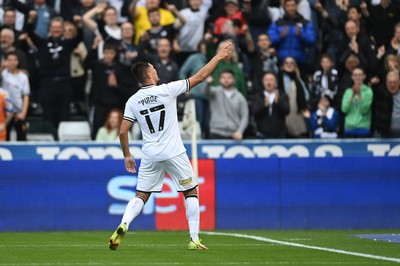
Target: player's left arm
pixel 130 163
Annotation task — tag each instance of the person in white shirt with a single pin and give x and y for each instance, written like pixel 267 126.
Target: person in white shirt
pixel 16 83
pixel 192 31
pixel 154 108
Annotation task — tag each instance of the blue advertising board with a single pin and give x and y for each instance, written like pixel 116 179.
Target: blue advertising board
pixel 84 186
pixel 299 193
pixel 208 149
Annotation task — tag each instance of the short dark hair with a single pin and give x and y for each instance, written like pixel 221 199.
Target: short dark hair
pixel 10 54
pixel 110 46
pixel 269 73
pixel 138 70
pixel 152 10
pixel 229 71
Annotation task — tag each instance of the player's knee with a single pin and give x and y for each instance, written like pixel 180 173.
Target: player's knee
pixel 190 193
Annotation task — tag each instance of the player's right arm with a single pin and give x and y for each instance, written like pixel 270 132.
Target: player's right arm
pixel 129 161
pixel 206 70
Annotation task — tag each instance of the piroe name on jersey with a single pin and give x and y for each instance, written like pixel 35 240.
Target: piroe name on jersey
pixel 149 99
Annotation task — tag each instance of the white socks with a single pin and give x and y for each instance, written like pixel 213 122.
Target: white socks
pixel 193 217
pixel 132 210
pixel 135 206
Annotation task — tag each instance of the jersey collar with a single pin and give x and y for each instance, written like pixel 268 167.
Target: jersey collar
pixel 148 86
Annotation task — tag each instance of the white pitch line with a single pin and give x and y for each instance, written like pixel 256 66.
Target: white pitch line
pixel 264 239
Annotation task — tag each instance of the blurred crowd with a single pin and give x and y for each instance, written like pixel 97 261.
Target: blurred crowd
pixel 300 68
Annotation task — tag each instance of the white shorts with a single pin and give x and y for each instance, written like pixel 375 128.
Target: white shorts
pixel 151 174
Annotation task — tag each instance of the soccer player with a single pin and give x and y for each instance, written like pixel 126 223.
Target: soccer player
pixel 154 108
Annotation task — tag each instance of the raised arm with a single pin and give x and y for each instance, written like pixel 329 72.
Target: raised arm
pixel 132 9
pixel 206 70
pixel 88 16
pixel 181 19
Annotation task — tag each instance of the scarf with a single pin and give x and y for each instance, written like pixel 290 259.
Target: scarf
pixel 300 95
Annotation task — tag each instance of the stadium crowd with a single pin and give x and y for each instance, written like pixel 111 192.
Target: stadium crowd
pixel 300 68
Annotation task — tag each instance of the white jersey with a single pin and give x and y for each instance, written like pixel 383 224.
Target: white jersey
pixel 192 30
pixel 17 86
pixel 154 108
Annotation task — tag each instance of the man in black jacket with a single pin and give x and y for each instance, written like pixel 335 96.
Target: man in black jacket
pixel 387 107
pixel 270 108
pixel 54 55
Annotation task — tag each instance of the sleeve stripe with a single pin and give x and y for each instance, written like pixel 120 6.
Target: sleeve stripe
pixel 129 119
pixel 187 85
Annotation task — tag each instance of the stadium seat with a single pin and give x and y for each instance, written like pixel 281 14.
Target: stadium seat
pixel 74 131
pixel 40 130
pixel 186 130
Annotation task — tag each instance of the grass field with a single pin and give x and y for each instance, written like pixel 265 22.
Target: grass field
pixel 298 247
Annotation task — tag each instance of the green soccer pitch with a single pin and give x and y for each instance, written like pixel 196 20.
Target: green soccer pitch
pixel 261 247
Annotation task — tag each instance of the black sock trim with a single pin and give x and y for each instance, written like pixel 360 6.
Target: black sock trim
pixel 141 199
pixel 192 196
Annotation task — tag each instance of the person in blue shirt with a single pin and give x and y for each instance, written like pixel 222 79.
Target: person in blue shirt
pixel 324 121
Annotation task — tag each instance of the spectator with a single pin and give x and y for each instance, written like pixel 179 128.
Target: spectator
pixel 383 19
pixel 392 63
pixel 333 16
pixel 270 108
pixel 229 109
pixel 6 113
pixel 105 25
pixel 394 45
pixel 88 34
pixel 263 59
pixel 191 33
pixel 9 20
pixel 44 15
pixel 290 82
pixel 387 107
pixel 324 121
pixel 356 105
pixel 224 24
pixel 256 14
pixel 7 41
pixel 54 54
pixel 104 92
pixel 345 81
pixel 148 40
pixel 193 64
pixel 244 44
pixel 354 43
pixel 16 83
pixel 385 64
pixel 65 8
pixel 324 81
pixel 109 132
pixel 232 64
pixel 117 4
pixel 291 35
pixel 166 67
pixel 141 18
pixel 127 54
pixel 78 72
pixel 355 14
